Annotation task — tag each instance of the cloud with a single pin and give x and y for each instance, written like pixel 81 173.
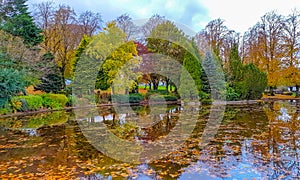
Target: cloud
pixel 189 12
pixel 195 14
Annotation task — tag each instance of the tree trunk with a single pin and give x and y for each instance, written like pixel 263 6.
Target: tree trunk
pixel 137 88
pixel 297 90
pixel 112 89
pixel 272 91
pixel 155 85
pixel 167 85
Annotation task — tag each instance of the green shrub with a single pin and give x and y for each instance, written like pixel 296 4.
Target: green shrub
pixel 231 94
pixel 203 95
pixel 159 98
pixel 28 103
pixel 170 98
pixel 19 104
pixel 54 101
pixel 135 98
pixel 159 91
pixel 4 111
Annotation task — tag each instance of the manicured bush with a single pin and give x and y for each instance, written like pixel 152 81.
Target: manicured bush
pixel 27 103
pixel 163 91
pixel 161 98
pixel 170 98
pixel 135 98
pixel 54 101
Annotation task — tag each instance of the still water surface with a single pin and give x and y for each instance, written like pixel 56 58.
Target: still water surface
pixel 253 141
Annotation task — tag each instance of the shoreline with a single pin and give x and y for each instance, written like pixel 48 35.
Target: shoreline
pixel 143 103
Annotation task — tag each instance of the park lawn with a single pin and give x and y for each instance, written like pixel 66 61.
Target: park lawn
pixel 159 87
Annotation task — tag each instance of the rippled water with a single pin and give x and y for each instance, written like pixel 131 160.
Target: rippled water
pixel 253 141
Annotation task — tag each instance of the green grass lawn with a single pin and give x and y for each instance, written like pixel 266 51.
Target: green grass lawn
pixel 159 87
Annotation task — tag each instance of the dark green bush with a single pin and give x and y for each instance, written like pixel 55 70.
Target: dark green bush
pixel 135 98
pixel 161 98
pixel 164 92
pixel 231 94
pixel 170 98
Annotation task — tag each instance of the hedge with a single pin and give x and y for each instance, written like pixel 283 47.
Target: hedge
pixel 27 103
pixel 54 101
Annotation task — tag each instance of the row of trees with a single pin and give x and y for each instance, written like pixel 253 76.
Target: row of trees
pixel 272 45
pixel 49 43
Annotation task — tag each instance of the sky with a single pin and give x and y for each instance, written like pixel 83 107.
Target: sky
pixel 239 15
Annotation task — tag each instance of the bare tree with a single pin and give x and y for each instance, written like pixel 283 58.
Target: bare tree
pixel 292 38
pixel 90 22
pixel 44 17
pixel 291 46
pixel 151 24
pixel 124 22
pixel 215 37
pixel 263 46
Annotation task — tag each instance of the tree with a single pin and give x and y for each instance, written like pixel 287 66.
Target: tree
pixel 264 47
pixel 151 24
pixel 17 21
pixel 254 82
pixel 215 76
pixel 124 22
pixel 12 80
pixel 120 68
pixel 90 22
pixel 291 71
pixel 108 51
pixel 235 66
pixel 51 81
pixel 15 48
pixel 80 50
pixel 245 81
pixel 22 57
pixel 193 69
pixel 168 40
pixel 213 36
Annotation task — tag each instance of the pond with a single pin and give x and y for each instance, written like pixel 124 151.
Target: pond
pixel 144 142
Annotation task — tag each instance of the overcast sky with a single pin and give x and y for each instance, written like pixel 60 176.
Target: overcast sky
pixel 239 15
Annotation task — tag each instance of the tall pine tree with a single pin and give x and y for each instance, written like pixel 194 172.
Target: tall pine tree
pixel 16 20
pixel 51 81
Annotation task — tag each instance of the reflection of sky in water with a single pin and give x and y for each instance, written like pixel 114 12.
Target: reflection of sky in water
pixel 284 115
pixel 231 167
pixel 30 131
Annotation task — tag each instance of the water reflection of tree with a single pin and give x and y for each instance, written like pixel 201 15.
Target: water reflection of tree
pixel 154 125
pixel 278 147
